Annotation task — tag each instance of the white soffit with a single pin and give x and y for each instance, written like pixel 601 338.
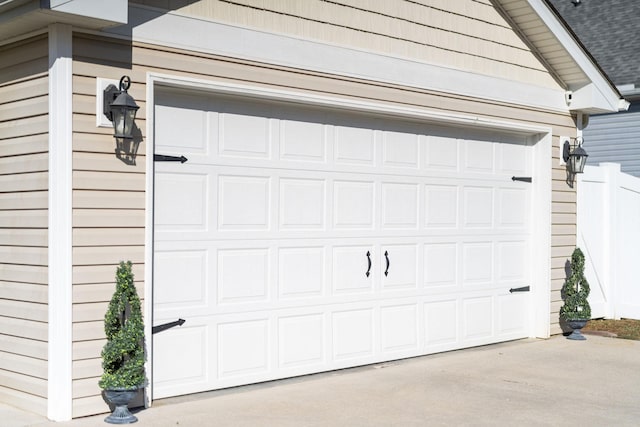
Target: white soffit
pixel 149 25
pixel 536 21
pixel 112 10
pixel 20 17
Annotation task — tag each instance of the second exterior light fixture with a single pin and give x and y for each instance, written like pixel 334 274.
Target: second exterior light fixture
pixel 120 108
pixel 575 157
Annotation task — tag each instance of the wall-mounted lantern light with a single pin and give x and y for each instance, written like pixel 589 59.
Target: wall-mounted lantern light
pixel 120 108
pixel 575 158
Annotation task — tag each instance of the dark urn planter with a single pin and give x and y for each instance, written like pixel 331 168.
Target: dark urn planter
pixel 576 325
pixel 120 398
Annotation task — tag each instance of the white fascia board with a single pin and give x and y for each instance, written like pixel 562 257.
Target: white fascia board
pixel 589 99
pixel 115 11
pixel 150 25
pixel 600 95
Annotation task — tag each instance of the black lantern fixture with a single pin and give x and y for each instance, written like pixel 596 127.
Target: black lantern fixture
pixel 120 108
pixel 576 159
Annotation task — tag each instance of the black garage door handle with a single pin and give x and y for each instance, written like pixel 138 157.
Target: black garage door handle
pixel 368 264
pixel 386 256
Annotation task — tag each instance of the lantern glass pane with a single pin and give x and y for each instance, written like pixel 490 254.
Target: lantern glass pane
pixel 118 121
pixel 123 120
pixel 577 163
pixel 130 115
pixel 580 163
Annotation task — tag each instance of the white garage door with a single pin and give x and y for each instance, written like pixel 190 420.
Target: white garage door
pixel 298 240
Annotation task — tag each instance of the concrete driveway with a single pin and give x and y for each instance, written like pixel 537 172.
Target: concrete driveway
pixel 525 383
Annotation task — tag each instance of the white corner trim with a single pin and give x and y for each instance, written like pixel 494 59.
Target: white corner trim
pixel 149 25
pixel 541 236
pixel 59 402
pixel 148 236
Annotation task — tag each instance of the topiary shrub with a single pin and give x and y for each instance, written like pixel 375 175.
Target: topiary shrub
pixel 123 354
pixel 576 290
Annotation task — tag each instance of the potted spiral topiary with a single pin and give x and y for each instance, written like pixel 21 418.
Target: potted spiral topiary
pixel 576 310
pixel 123 354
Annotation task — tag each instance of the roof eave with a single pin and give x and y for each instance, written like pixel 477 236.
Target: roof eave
pixel 598 94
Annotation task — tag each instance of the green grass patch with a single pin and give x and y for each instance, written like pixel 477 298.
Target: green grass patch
pixel 623 328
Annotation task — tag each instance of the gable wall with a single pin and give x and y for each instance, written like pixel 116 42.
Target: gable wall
pixel 24 87
pixel 109 196
pixel 463 34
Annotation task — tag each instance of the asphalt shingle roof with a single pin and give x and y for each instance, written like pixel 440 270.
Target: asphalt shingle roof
pixel 610 30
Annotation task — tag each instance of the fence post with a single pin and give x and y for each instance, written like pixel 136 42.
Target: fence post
pixel 611 234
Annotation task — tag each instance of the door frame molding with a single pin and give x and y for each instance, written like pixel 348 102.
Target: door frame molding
pixel 538 135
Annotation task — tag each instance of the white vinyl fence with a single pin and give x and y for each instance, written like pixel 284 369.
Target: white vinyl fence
pixel 609 236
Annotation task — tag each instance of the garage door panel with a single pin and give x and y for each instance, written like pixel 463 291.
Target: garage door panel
pixel 512 265
pixel 182 201
pixel 302 204
pixel 478 318
pixel 188 110
pixel 400 263
pixel 401 150
pixel 400 205
pixel 244 203
pixel 354 204
pixel 243 275
pixel 243 348
pixel 354 145
pixel 477 263
pixel 350 265
pixel 303 141
pixel 479 156
pixel 441 206
pixel 302 272
pixel 399 328
pixel 511 322
pixel 478 203
pixel 353 334
pixel 182 361
pixel 513 205
pixel 243 135
pixel 441 323
pixel 302 341
pixel 512 159
pixel 181 278
pixel 441 265
pixel 442 153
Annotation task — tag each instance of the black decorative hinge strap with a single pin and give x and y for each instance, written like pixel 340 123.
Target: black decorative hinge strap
pixel 163 158
pixel 522 178
pixel 522 289
pixel 166 326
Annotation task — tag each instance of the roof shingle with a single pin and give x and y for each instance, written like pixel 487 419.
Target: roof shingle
pixel 610 30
